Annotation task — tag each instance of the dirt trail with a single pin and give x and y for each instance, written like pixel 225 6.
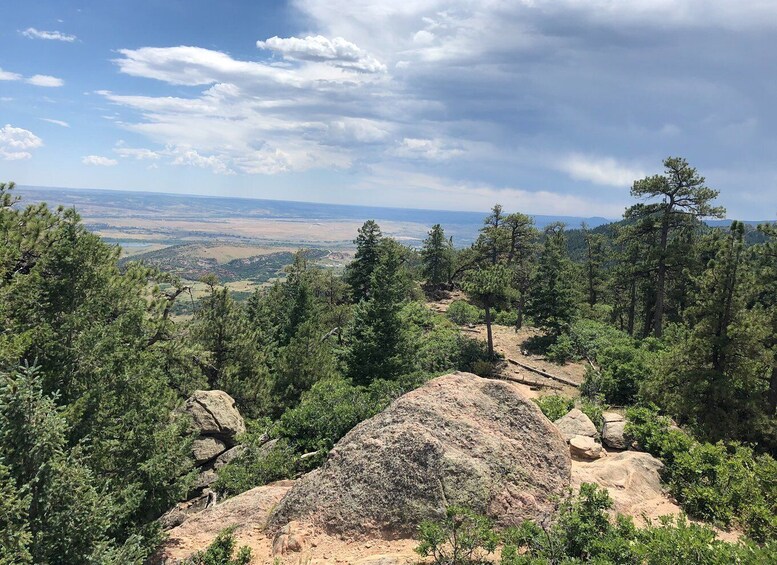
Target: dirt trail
pixel 509 343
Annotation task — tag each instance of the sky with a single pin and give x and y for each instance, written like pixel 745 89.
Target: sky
pixel 546 106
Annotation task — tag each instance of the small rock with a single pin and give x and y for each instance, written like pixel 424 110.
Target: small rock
pixel 206 448
pixel 288 540
pixel 613 417
pixel 229 455
pixel 584 447
pixel 612 435
pixel 205 479
pixel 575 423
pixel 381 560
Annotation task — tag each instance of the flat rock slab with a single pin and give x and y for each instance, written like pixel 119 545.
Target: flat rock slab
pixel 633 481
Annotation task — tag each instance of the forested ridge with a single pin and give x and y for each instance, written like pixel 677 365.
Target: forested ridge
pixel 676 320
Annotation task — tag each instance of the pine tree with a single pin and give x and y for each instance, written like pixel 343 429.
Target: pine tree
pixel 493 240
pixel 712 376
pixel 593 266
pixel 684 197
pixel 359 271
pixel 489 287
pixel 552 303
pixel 376 335
pixel 437 256
pixel 522 237
pixel 766 289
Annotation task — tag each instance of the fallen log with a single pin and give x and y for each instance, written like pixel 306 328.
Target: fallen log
pixel 543 373
pixel 529 382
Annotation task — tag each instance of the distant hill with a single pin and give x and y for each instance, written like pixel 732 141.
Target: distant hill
pixel 126 204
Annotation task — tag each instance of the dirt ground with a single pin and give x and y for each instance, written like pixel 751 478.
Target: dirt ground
pixel 248 513
pixel 509 343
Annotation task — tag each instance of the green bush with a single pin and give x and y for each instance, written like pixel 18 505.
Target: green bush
pixel 505 318
pixel 562 350
pixel 725 484
pixel 257 465
pixel 585 532
pixel 460 538
pixel 330 409
pixel 554 406
pixel 472 353
pixel 594 410
pixel 462 313
pixel 222 552
pixel 435 345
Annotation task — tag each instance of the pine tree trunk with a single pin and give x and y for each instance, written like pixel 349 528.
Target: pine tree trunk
pixel 519 316
pixel 773 390
pixel 658 315
pixel 632 305
pixel 488 331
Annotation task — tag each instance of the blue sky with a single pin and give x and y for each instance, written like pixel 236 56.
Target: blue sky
pixel 547 106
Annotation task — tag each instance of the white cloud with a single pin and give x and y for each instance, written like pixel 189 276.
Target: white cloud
pixel 45 80
pixel 99 161
pixel 600 170
pixel 437 192
pixel 337 51
pixel 6 75
pixel 137 153
pixel 469 87
pixel 430 149
pixel 184 156
pixel 56 122
pixel 36 80
pixel 33 33
pixel 16 143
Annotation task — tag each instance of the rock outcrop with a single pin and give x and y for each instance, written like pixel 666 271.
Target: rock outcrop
pixel 633 481
pixel 575 423
pixel 459 439
pixel 216 422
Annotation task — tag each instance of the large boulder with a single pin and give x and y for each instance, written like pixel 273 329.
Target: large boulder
pixel 214 414
pixel 575 423
pixel 459 439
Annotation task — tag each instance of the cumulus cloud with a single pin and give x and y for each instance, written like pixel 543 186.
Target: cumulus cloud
pixel 16 143
pixel 45 80
pixel 137 153
pixel 186 156
pixel 33 33
pixel 528 93
pixel 36 80
pixel 337 51
pixel 56 122
pixel 598 170
pixel 99 161
pixel 6 75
